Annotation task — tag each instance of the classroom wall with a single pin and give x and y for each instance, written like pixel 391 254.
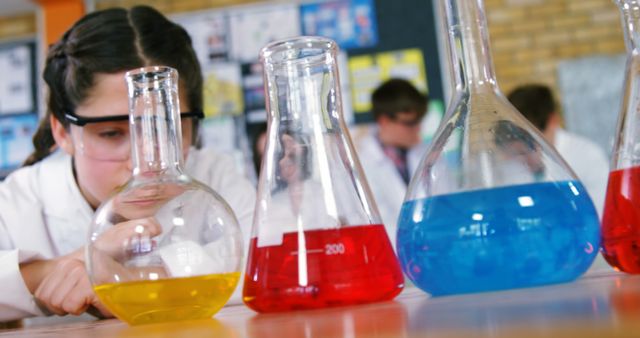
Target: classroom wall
pixel 528 37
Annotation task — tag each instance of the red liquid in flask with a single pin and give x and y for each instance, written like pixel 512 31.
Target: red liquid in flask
pixel 621 220
pixel 350 265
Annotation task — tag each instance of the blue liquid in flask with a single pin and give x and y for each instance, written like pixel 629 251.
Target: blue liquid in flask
pixel 499 238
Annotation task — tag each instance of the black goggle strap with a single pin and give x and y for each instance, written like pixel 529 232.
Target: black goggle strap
pixel 81 121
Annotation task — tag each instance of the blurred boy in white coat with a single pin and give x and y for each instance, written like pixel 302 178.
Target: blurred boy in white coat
pixel 585 157
pixel 391 152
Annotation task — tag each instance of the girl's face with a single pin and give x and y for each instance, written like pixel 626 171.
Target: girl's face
pixel 99 176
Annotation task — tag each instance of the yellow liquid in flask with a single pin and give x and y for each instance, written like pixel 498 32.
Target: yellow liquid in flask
pixel 166 300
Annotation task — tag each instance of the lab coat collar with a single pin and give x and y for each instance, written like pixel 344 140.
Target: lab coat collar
pixel 372 147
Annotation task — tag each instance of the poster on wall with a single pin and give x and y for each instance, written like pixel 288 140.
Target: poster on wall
pixel 406 64
pixel 254 95
pixel 209 34
pixel 254 27
pixel 219 132
pixel 253 91
pixel 227 134
pixel 17 91
pixel 352 24
pixel 15 140
pixel 368 71
pixel 345 84
pixel 364 77
pixel 223 89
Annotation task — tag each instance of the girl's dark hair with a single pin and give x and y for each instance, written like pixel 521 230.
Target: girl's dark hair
pixel 255 132
pixel 107 42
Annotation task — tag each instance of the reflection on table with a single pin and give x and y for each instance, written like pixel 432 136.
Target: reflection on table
pixel 605 304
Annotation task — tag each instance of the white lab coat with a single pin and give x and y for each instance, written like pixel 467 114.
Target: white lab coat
pixel 385 182
pixel 591 165
pixel 43 214
pixel 588 161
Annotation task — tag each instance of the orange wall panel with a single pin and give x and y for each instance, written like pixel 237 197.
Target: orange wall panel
pixel 59 15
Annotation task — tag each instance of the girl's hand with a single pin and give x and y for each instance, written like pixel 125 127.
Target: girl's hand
pixel 67 289
pixel 62 286
pixel 130 237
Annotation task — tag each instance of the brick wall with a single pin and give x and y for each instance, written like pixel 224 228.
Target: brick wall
pixel 530 37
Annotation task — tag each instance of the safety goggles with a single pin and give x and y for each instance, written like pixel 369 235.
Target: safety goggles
pixel 107 138
pixel 408 123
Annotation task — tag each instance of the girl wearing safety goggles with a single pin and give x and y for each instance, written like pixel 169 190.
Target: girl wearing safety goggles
pixel 83 155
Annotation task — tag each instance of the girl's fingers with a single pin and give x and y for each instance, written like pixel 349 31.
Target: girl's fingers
pixel 120 239
pixel 48 288
pixel 77 300
pixel 67 289
pixel 69 274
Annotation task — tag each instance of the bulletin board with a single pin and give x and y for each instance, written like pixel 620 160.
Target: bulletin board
pixel 18 103
pixel 368 71
pixel 405 29
pixel 399 37
pixel 351 24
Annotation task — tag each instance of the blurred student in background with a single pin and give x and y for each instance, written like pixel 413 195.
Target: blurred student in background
pixel 392 151
pixel 586 158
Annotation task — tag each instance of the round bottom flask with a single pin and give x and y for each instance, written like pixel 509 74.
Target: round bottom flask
pixel 165 247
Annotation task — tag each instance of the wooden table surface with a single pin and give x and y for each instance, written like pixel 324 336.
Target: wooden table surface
pixel 598 305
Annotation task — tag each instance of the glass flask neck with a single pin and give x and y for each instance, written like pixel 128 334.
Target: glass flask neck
pixel 469 45
pixel 154 118
pixel 302 70
pixel 630 15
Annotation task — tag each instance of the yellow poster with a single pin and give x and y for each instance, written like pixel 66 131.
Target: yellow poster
pixel 365 76
pixel 223 91
pixel 368 71
pixel 407 64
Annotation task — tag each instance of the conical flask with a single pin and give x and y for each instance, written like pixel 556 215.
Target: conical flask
pixel 491 205
pixel 621 217
pixel 165 247
pixel 317 238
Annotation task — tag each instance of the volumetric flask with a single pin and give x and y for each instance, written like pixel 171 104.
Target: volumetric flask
pixel 165 247
pixel 317 237
pixel 621 217
pixel 492 205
